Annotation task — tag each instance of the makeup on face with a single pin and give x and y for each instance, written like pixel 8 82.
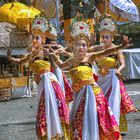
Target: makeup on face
pixel 37 37
pixel 37 41
pixel 82 44
pixel 106 36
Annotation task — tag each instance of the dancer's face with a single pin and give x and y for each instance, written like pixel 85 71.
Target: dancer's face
pixel 107 39
pixel 37 41
pixel 80 46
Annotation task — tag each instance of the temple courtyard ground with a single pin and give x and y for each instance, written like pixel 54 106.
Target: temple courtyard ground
pixel 17 117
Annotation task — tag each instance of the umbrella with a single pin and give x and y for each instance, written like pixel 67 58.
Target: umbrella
pixel 7 16
pixel 9 11
pixel 28 13
pixel 14 6
pixel 25 16
pixel 126 9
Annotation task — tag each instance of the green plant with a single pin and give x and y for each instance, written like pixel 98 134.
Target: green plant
pixel 86 9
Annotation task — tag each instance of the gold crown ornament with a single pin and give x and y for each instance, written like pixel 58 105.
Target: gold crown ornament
pixel 40 25
pixel 51 32
pixel 80 30
pixel 107 26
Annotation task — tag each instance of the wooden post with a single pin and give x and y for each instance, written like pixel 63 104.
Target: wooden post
pixel 21 70
pixel 106 5
pixel 57 16
pixel 67 18
pixel 35 3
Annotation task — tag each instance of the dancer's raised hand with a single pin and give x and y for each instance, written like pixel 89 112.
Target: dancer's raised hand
pixel 127 41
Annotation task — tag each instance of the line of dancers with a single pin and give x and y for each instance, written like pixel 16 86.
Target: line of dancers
pixel 99 105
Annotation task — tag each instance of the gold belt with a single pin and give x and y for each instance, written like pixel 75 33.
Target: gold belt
pixel 43 71
pixel 78 84
pixel 38 75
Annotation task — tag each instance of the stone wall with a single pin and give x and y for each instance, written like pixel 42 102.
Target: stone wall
pixel 10 37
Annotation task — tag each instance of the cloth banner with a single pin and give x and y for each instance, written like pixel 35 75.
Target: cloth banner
pixel 132 60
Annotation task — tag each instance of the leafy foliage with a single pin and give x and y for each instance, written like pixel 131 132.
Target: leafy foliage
pixel 86 9
pixel 130 28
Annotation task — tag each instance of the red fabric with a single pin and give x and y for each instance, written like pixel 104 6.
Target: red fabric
pixel 51 69
pixel 95 76
pixel 63 110
pixel 68 89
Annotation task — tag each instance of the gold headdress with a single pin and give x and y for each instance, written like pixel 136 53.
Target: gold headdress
pixel 107 26
pixel 40 26
pixel 43 27
pixel 52 32
pixel 80 30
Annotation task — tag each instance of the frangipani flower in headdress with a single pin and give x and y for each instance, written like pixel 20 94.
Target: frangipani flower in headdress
pixel 107 26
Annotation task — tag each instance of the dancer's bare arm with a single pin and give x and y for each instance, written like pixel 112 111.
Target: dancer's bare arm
pixel 63 65
pixel 17 60
pixel 98 55
pixel 95 48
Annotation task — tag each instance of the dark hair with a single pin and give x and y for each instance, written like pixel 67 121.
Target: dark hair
pixel 48 40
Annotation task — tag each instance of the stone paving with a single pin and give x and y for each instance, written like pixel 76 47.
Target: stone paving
pixel 17 117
